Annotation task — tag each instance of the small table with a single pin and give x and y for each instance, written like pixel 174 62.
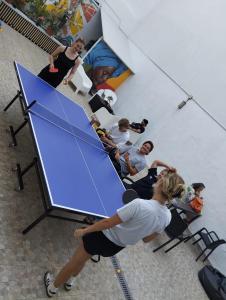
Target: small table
pixel 103 98
pixel 108 95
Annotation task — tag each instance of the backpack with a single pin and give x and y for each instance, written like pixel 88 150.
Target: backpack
pixel 213 282
pixel 197 204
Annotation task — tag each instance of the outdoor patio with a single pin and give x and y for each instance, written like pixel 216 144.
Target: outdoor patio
pixel 25 258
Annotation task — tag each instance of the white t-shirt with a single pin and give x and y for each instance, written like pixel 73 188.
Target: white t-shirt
pixel 140 219
pixel 117 136
pixel 136 159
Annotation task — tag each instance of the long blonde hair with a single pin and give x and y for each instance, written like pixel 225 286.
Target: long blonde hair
pixel 172 186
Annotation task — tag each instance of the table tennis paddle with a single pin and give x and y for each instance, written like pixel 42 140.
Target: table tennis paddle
pixel 53 70
pixel 129 195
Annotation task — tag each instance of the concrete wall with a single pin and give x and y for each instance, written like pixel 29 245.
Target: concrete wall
pixel 186 39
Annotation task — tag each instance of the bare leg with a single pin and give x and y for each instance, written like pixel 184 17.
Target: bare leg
pixel 73 267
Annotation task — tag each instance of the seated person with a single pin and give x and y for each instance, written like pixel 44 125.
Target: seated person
pixel 133 161
pixel 139 127
pixel 193 191
pixel 118 135
pixel 144 186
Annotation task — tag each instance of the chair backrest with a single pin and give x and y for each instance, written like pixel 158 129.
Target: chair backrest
pixel 177 225
pixel 81 80
pixel 206 239
pixel 106 119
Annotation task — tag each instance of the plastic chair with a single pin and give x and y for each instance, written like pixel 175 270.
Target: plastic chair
pixel 106 119
pixel 81 81
pixel 210 240
pixel 174 231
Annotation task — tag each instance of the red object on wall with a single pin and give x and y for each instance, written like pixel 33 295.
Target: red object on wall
pixel 104 86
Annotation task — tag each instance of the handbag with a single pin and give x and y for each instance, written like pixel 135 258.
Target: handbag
pixel 197 204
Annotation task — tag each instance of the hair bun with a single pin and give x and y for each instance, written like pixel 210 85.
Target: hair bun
pixel 180 191
pixel 173 186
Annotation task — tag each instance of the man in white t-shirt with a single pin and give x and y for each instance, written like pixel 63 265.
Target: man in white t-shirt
pixel 118 134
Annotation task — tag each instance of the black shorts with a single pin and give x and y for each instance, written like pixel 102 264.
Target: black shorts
pixel 96 243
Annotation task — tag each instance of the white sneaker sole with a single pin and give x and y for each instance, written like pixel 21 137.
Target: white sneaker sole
pixel 48 293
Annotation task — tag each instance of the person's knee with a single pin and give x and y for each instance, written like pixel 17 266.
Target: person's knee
pixel 80 255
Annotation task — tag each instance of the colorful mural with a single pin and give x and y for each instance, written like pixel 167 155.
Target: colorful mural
pixel 63 19
pixel 104 67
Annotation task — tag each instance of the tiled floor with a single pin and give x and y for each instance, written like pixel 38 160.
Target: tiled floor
pixel 24 259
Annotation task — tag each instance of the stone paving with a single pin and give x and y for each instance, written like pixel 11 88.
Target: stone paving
pixel 24 259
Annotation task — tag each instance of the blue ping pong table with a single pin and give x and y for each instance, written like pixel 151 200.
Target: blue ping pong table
pixel 75 173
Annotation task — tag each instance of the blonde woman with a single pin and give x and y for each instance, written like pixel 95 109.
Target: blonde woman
pixel 140 219
pixel 61 61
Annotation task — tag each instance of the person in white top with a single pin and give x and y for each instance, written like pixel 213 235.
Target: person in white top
pixel 118 134
pixel 140 219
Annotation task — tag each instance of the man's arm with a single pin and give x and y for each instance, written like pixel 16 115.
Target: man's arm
pixel 99 226
pixel 150 237
pixel 135 130
pixel 132 170
pixel 159 163
pixel 107 141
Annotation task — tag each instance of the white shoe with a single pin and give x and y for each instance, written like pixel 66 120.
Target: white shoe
pixel 69 284
pixel 48 281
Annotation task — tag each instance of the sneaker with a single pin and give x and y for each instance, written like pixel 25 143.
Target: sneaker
pixel 69 284
pixel 48 281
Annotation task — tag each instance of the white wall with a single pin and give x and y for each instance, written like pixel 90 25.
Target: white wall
pixel 186 39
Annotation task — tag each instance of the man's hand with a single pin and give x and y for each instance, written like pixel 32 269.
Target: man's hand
pixel 78 233
pixel 126 156
pixel 172 169
pixel 117 155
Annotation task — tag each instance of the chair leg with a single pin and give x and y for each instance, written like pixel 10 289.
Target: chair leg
pixel 189 238
pixel 196 241
pixel 208 254
pixel 193 235
pixel 197 258
pixel 166 243
pixel 174 246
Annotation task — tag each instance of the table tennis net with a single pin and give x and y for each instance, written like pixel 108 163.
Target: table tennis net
pixel 42 112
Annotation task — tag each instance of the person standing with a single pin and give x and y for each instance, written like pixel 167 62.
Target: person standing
pixel 62 60
pixel 138 220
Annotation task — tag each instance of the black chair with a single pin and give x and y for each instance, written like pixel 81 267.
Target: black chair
pixel 127 185
pixel 209 238
pixel 97 102
pixel 174 230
